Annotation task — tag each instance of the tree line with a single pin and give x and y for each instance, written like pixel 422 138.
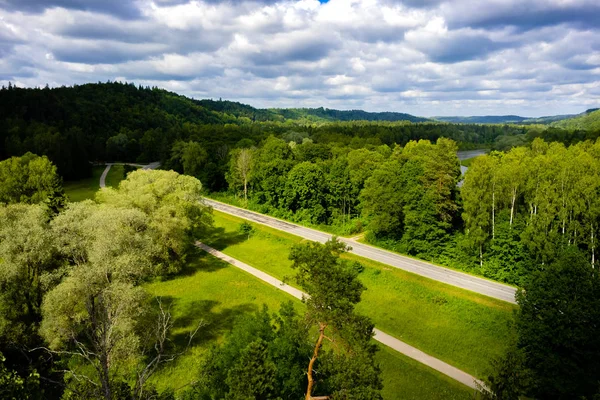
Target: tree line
pixel 79 125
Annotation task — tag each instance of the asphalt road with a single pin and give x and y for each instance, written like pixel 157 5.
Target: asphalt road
pixel 153 165
pixel 380 336
pixel 441 274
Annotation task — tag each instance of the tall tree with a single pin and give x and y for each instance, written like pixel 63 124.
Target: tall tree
pixel 333 290
pixel 240 169
pixel 479 193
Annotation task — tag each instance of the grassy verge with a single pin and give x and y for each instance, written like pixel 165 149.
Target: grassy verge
pixel 215 292
pixel 115 175
pixel 349 229
pixel 460 327
pixel 85 188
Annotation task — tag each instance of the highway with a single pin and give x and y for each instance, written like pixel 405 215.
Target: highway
pixel 441 274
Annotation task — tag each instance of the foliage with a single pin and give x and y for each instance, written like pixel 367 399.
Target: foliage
pixel 28 259
pixel 174 208
pixel 259 360
pixel 13 387
pixel 333 290
pixel 556 354
pixel 30 179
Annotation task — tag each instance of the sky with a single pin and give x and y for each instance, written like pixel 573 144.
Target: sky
pixel 424 57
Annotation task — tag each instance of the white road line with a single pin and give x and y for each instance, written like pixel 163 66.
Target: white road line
pixel 380 336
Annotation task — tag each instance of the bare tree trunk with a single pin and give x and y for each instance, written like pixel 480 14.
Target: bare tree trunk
pixel 494 211
pixel 311 382
pixel 593 247
pixel 512 205
pixel 246 190
pixel 105 378
pixel 481 255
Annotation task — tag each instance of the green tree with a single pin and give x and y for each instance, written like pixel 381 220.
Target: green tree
pixel 333 290
pixel 479 193
pixel 274 160
pixel 382 200
pixel 240 169
pixel 305 192
pixel 262 357
pixel 30 179
pixel 98 316
pixel 558 343
pixel 174 206
pixel 14 387
pixel 558 327
pixel 28 259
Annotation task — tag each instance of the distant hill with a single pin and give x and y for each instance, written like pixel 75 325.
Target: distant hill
pixel 511 119
pixel 589 120
pixel 484 119
pixel 326 114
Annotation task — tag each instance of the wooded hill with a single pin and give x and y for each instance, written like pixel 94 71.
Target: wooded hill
pixel 79 125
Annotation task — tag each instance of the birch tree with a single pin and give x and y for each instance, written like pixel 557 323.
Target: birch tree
pixel 240 169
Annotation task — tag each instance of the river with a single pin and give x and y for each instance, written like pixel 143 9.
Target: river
pixel 463 155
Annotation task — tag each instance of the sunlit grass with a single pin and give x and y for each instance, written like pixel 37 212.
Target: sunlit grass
pixel 84 189
pixel 460 327
pixel 215 292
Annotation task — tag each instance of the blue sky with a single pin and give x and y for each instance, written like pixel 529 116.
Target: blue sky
pixel 425 57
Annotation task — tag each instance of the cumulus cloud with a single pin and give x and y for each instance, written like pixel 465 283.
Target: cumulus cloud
pixel 432 57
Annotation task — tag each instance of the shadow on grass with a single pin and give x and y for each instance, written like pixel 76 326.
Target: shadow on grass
pixel 213 323
pixel 220 239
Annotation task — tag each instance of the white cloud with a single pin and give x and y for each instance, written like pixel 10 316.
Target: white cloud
pixel 437 57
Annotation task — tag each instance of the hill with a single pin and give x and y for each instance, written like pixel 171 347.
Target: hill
pixel 326 114
pixel 508 119
pixel 484 119
pixel 589 120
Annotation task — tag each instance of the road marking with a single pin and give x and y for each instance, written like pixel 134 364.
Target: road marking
pixel 380 336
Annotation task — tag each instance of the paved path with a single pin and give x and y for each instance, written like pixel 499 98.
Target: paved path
pixel 103 176
pixel 380 336
pixel 153 165
pixel 441 274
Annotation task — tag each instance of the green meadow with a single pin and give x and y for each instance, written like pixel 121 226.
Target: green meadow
pixel 215 293
pixel 463 328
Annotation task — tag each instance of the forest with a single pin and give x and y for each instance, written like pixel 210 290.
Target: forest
pixel 77 320
pixel 74 126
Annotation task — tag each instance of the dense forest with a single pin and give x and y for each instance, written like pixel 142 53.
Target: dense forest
pixel 77 125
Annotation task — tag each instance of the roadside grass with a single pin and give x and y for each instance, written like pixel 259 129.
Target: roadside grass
pixel 465 329
pixel 467 161
pixel 359 237
pixel 215 292
pixel 84 189
pixel 115 175
pixel 350 228
pixel 407 379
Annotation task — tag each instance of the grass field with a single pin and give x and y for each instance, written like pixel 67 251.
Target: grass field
pixel 460 327
pixel 215 292
pixel 115 175
pixel 86 188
